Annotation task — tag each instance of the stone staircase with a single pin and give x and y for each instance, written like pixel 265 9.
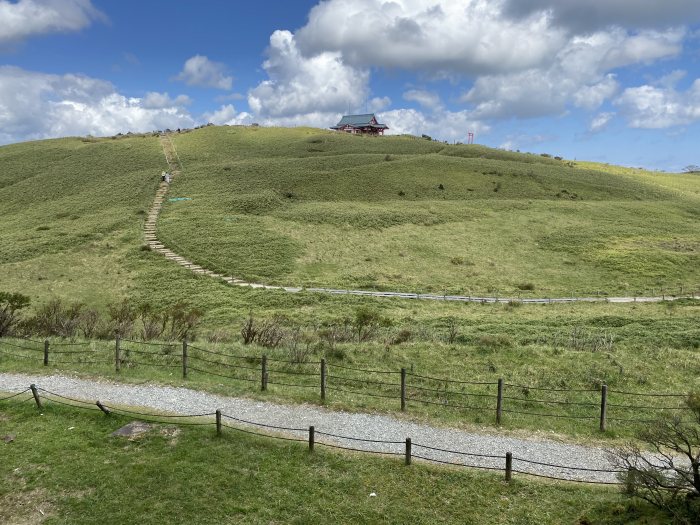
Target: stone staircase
pixel 150 228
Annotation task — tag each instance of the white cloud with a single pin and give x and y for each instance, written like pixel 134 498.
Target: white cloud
pixel 25 18
pixel 38 105
pixel 318 86
pixel 578 74
pixel 200 71
pixel 591 15
pixel 378 104
pixel 439 36
pixel 154 100
pixel 227 115
pixel 442 124
pixel 653 107
pixel 600 121
pixel 427 99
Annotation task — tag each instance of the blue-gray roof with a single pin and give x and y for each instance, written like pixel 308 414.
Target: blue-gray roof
pixel 358 120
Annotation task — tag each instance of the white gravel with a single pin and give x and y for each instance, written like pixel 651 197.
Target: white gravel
pixel 357 425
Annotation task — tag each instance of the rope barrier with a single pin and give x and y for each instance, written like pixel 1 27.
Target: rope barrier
pixel 359 449
pixel 532 462
pixel 484 467
pixel 233 356
pixel 364 381
pixel 291 384
pixel 465 407
pixel 337 436
pixel 312 374
pixel 222 375
pixel 451 392
pixel 22 347
pixel 473 454
pixel 546 389
pixel 567 479
pixel 283 438
pixel 227 365
pixel 527 400
pixel 647 395
pixel 264 425
pixel 336 389
pixel 4 352
pixel 548 415
pixel 649 407
pixel 14 395
pixel 450 380
pixel 363 369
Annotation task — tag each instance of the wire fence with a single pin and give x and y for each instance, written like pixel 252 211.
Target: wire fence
pixel 506 463
pixel 498 401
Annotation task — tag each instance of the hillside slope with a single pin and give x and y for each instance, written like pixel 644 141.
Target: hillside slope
pixel 308 207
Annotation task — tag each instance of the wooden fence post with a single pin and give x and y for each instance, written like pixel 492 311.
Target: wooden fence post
pixel 312 435
pixel 408 451
pixel 323 379
pixel 218 422
pixel 184 359
pixel 117 356
pixel 403 390
pixel 46 352
pixel 509 466
pixel 603 406
pixel 35 393
pixel 263 377
pixel 103 408
pixel 499 401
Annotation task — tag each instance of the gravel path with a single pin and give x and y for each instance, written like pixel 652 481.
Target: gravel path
pixel 334 427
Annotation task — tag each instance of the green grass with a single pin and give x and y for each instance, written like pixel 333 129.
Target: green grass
pixel 313 208
pixel 63 467
pixel 654 349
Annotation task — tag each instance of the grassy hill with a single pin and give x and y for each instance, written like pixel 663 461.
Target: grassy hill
pixel 313 208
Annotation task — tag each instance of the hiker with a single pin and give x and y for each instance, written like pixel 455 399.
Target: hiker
pixel 162 176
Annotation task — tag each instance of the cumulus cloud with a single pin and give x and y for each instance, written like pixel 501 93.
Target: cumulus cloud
pixel 440 36
pixel 200 71
pixel 38 105
pixel 427 99
pixel 443 124
pixel 227 115
pixel 593 15
pixel 26 18
pixel 578 74
pixel 654 107
pixel 154 100
pixel 600 121
pixel 307 89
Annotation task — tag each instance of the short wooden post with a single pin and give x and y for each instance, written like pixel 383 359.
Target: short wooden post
pixel 103 408
pixel 35 393
pixel 509 466
pixel 184 359
pixel 218 422
pixel 312 435
pixel 323 379
pixel 403 390
pixel 408 451
pixel 263 378
pixel 46 352
pixel 117 356
pixel 499 401
pixel 603 406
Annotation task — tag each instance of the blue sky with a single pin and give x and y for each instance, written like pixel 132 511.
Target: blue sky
pixel 611 80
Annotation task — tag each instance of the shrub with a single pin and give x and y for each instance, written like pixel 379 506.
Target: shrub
pixel 495 341
pixel 249 331
pixel 526 286
pixel 122 316
pixel 58 319
pixel 671 479
pixel 457 261
pixel 11 304
pixel 402 336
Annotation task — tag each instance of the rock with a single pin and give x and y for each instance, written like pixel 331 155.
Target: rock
pixel 133 430
pixel 9 438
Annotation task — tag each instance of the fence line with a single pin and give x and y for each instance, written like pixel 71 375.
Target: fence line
pixel 40 395
pixel 407 391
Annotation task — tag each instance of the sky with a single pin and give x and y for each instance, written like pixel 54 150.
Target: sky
pixel 613 81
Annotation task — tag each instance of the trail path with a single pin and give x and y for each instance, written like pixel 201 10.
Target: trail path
pixel 151 236
pixel 335 427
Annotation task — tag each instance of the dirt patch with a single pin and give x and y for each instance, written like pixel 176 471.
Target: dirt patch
pixel 26 507
pixel 172 433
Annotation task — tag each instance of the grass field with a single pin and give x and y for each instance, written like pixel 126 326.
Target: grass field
pixel 63 467
pixel 306 207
